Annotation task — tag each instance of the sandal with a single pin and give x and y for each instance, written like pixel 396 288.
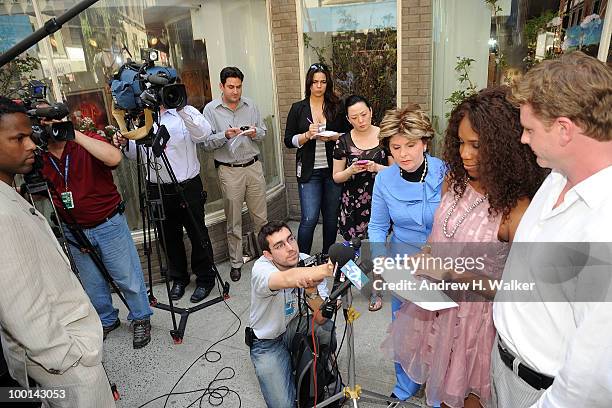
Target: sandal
pixel 375 303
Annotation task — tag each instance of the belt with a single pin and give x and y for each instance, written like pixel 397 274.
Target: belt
pixel 170 186
pixel 119 210
pixel 531 377
pixel 253 160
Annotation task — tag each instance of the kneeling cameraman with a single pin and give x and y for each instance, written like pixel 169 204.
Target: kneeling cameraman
pixel 275 283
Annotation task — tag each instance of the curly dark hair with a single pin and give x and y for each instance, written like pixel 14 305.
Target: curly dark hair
pixel 508 168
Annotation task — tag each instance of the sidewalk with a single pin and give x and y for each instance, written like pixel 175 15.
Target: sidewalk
pixel 144 374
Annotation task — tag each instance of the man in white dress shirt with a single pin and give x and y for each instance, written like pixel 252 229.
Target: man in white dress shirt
pixel 187 127
pixel 555 343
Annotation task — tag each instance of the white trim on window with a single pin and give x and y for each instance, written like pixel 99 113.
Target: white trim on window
pixel 279 141
pixel 300 32
pixel 606 33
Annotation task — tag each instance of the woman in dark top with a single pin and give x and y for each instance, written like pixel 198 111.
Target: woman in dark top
pixel 358 157
pixel 321 111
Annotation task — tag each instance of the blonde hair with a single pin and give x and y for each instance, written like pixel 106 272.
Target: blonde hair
pixel 575 86
pixel 411 122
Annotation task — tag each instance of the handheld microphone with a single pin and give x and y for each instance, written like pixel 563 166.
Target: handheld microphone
pixel 366 266
pixel 340 254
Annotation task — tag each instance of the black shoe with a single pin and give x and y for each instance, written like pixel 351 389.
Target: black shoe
pixel 235 274
pixel 108 329
pixel 392 402
pixel 199 294
pixel 177 291
pixel 142 333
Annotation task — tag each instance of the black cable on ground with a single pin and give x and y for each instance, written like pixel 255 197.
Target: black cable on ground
pixel 216 394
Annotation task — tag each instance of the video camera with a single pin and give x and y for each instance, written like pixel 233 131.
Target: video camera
pixel 138 86
pixel 33 98
pixel 314 260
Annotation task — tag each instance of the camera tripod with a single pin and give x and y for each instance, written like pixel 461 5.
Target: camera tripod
pixel 354 392
pixel 38 185
pixel 152 214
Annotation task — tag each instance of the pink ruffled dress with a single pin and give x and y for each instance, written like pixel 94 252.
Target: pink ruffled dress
pixel 450 350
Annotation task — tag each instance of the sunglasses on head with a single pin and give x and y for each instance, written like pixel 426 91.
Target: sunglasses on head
pixel 319 67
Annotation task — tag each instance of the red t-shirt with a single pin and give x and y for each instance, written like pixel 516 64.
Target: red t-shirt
pixel 94 193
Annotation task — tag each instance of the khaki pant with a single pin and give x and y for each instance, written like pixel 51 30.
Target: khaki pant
pixel 84 387
pixel 240 184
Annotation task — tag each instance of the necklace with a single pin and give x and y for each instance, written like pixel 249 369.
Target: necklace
pixel 403 173
pixel 464 216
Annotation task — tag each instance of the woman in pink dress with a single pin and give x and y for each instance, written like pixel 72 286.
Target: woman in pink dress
pixel 491 178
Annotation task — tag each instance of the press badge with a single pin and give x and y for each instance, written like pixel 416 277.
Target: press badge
pixel 67 199
pixel 290 306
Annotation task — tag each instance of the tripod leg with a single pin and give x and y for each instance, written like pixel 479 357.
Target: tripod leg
pixel 205 243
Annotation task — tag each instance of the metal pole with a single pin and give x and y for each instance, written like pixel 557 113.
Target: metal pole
pixel 48 52
pixel 351 345
pixel 48 28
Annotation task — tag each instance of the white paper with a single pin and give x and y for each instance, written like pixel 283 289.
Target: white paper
pixel 327 133
pixel 431 300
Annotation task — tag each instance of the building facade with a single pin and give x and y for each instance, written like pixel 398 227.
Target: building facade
pixel 392 51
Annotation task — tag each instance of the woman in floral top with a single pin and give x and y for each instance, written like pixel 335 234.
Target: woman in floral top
pixel 358 157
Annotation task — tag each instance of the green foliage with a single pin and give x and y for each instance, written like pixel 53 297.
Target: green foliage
pixel 534 25
pixel 468 88
pixel 319 51
pixel 494 7
pixel 13 74
pixel 363 63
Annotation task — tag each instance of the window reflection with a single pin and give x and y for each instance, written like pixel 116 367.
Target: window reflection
pixel 91 47
pixel 358 41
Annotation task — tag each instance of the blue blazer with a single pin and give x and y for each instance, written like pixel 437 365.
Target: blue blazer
pixel 411 206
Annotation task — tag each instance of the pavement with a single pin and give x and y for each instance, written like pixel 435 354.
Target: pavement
pixel 221 371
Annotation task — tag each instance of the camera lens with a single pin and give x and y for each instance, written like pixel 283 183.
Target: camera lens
pixel 174 96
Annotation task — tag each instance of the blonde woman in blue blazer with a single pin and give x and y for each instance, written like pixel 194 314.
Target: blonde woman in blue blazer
pixel 405 198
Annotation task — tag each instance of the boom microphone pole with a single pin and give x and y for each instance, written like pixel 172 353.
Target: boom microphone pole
pixel 52 25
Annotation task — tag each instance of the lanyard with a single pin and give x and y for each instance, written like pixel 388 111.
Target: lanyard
pixel 66 166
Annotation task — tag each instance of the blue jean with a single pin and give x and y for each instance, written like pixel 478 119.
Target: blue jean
pixel 319 194
pixel 272 362
pixel 113 242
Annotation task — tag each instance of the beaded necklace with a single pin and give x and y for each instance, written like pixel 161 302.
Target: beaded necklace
pixel 475 204
pixel 404 173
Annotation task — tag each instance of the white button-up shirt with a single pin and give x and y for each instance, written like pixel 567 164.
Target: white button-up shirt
pixel 568 340
pixel 186 128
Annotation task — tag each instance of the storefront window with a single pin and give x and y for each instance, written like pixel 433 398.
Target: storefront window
pixel 358 41
pixel 500 39
pixel 86 52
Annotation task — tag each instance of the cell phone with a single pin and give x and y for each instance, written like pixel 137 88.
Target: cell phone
pixel 362 162
pixel 243 128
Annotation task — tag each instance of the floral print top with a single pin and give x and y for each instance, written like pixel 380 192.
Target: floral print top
pixel 356 191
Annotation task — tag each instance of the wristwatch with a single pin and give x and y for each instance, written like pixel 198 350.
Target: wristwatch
pixel 311 296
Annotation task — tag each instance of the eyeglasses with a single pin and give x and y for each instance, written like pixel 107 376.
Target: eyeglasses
pixel 318 66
